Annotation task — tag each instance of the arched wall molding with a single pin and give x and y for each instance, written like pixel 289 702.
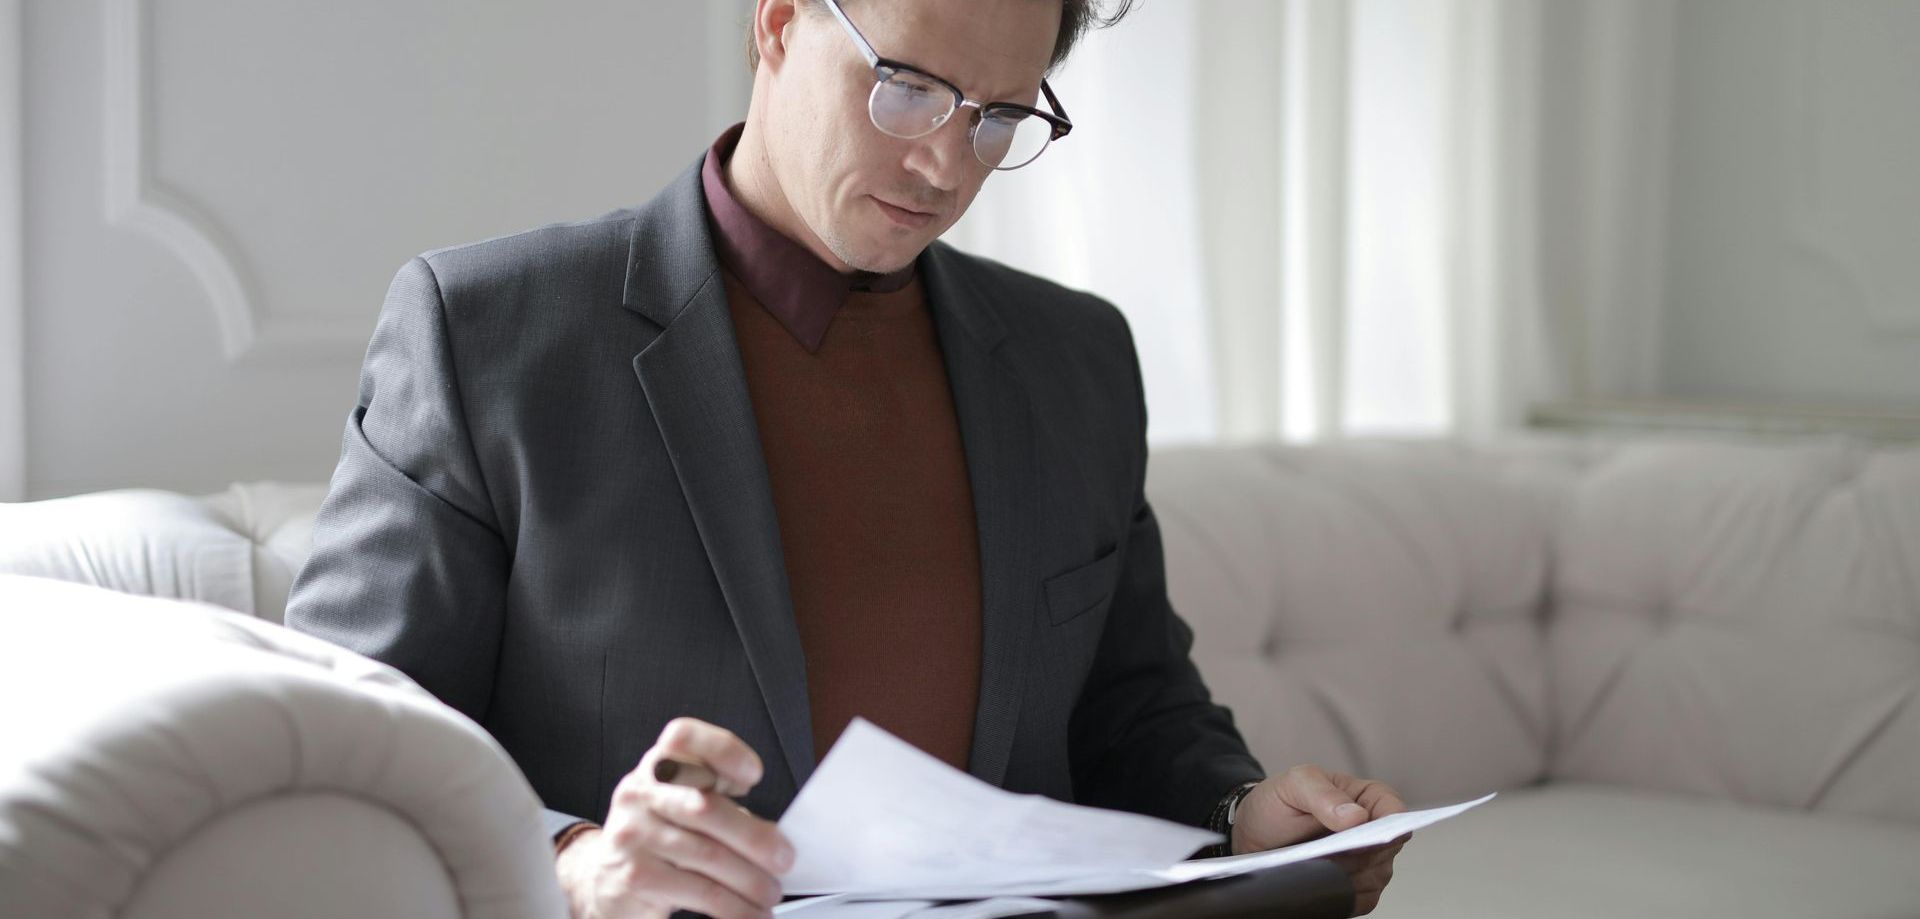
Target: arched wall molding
pixel 137 200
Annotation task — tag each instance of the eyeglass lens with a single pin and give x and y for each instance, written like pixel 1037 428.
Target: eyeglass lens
pixel 907 105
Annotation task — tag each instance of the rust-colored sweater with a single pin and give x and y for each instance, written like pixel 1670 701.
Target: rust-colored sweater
pixel 858 429
pixel 876 517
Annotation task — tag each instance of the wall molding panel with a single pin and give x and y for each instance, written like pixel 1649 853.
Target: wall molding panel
pixel 1819 222
pixel 137 200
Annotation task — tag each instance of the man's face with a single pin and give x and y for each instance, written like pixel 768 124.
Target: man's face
pixel 874 200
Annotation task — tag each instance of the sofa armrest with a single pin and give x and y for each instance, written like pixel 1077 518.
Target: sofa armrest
pixel 138 728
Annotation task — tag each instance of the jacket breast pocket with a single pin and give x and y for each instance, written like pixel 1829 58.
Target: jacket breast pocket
pixel 1073 592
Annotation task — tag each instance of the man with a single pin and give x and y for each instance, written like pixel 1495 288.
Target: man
pixel 720 472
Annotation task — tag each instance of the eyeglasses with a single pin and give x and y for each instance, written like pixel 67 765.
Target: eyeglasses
pixel 908 102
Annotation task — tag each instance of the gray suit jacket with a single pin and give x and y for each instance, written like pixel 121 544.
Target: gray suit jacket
pixel 551 510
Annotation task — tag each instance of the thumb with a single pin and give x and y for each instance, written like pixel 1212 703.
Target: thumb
pixel 1334 808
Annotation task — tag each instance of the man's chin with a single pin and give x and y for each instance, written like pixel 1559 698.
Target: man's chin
pixel 893 259
pixel 880 249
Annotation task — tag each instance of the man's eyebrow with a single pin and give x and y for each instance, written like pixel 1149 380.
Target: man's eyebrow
pixel 1014 96
pixel 1024 94
pixel 1018 97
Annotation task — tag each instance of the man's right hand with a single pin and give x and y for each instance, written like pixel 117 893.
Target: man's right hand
pixel 666 847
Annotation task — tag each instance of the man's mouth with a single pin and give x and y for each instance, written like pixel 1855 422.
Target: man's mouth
pixel 906 217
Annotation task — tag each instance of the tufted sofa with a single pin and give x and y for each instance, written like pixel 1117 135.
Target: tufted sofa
pixel 1690 666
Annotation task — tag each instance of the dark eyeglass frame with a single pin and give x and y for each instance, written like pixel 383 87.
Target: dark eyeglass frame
pixel 884 67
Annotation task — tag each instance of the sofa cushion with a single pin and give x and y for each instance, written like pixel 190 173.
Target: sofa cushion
pixel 239 548
pixel 1743 621
pixel 1374 606
pixel 137 540
pixel 1578 851
pixel 277 518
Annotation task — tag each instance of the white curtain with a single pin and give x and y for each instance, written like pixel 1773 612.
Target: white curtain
pixel 1114 208
pixel 1319 215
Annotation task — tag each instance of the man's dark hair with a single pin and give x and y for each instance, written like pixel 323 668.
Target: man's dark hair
pixel 1076 18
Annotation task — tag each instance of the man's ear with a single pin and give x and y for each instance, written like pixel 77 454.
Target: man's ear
pixel 770 21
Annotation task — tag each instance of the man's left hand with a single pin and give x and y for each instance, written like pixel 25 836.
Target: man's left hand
pixel 1305 803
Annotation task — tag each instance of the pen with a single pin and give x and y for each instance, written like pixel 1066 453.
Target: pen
pixel 693 775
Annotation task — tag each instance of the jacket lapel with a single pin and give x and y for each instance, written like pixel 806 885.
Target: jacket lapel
pixel 695 383
pixel 996 431
pixel 697 388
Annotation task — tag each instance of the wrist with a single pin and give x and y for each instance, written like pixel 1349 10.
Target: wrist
pixel 571 834
pixel 574 865
pixel 1224 820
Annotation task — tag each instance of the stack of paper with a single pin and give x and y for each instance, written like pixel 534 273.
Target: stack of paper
pixel 884 822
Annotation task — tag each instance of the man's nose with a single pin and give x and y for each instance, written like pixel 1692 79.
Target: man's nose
pixel 943 157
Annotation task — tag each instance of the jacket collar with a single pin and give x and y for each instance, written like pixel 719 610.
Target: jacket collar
pixel 786 278
pixel 672 254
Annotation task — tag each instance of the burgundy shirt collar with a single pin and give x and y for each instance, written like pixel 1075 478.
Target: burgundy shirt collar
pixel 794 285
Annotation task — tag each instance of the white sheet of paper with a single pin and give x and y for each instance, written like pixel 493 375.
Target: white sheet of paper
pixel 881 822
pixel 878 814
pixel 987 909
pixel 1373 832
pixel 836 906
pixel 809 903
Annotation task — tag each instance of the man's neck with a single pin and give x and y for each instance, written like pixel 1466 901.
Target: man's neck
pixel 749 175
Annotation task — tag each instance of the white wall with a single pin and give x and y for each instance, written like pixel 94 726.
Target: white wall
pixel 208 200
pixel 1794 273
pixel 217 194
pixel 1731 202
pixel 13 394
pixel 1061 217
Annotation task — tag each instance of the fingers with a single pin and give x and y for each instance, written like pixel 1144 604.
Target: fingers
pixel 700 853
pixel 657 880
pixel 1309 789
pixel 1368 889
pixel 730 825
pixel 695 741
pixel 1370 869
pixel 695 848
pixel 1376 796
pixel 1338 800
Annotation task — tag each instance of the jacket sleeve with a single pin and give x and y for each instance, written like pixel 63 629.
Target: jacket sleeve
pixel 408 566
pixel 1145 735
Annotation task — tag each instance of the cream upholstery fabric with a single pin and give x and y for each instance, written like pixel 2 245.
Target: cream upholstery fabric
pixel 1574 850
pixel 1690 665
pixel 239 549
pixel 1744 623
pixel 1372 608
pixel 1739 620
pixel 136 540
pixel 153 748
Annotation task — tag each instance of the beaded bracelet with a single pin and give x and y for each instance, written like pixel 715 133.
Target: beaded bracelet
pixel 1217 820
pixel 566 835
